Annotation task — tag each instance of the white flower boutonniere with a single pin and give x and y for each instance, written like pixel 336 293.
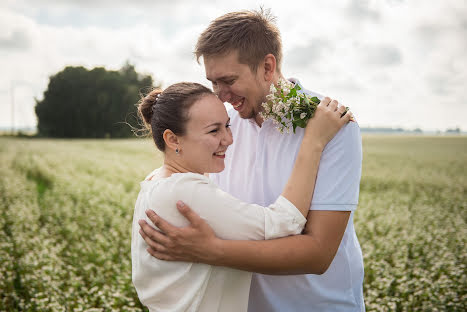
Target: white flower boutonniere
pixel 287 108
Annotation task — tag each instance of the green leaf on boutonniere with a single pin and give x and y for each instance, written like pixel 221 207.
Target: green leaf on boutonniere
pixel 301 123
pixel 315 99
pixel 292 93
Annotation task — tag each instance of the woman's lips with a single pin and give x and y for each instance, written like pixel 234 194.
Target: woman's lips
pixel 220 154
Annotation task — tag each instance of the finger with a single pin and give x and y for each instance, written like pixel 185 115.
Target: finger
pixel 188 213
pixel 341 109
pixel 159 255
pixel 163 225
pixel 325 101
pixel 333 105
pixel 148 233
pixel 347 117
pixel 152 243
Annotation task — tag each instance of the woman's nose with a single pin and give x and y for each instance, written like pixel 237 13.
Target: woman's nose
pixel 227 138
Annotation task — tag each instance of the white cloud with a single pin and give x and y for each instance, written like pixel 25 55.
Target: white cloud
pixel 396 63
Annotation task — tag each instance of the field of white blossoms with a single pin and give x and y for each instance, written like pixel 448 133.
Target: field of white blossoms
pixel 66 209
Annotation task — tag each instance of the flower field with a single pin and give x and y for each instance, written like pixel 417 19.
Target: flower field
pixel 66 209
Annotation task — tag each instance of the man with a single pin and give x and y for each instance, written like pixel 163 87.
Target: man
pixel 242 55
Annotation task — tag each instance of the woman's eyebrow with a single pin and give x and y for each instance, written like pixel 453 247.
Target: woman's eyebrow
pixel 213 124
pixel 216 124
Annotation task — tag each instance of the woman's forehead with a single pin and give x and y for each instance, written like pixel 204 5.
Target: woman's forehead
pixel 208 110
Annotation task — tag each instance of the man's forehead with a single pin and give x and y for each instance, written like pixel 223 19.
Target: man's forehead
pixel 217 66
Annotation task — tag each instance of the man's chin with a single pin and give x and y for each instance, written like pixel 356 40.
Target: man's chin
pixel 246 115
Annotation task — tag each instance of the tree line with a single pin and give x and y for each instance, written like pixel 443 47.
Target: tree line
pixel 96 103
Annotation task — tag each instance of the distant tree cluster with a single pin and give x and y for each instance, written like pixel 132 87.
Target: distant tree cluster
pixel 97 103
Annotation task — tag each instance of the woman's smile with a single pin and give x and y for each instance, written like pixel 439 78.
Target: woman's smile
pixel 220 154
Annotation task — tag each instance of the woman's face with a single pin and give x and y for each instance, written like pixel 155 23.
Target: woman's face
pixel 203 147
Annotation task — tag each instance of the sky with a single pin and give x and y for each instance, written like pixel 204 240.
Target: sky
pixel 396 63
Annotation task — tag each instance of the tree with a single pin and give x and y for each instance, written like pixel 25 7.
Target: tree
pixel 97 103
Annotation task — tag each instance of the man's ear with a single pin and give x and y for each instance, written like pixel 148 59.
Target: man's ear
pixel 170 139
pixel 270 66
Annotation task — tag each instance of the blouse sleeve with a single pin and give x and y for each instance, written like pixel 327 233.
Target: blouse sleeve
pixel 228 216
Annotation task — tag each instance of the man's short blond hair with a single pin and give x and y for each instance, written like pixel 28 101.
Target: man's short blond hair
pixel 252 33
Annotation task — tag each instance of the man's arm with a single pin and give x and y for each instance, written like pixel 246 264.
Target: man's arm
pixel 309 253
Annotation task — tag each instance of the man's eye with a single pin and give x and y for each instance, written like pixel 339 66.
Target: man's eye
pixel 213 131
pixel 230 82
pixel 228 125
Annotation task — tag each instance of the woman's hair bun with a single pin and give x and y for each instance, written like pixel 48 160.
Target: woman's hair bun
pixel 146 106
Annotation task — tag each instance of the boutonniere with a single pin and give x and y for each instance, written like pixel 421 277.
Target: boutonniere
pixel 287 108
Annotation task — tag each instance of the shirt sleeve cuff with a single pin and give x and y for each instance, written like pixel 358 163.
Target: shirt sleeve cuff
pixel 334 207
pixel 291 221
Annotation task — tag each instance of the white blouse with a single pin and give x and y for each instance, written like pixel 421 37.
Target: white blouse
pixel 182 286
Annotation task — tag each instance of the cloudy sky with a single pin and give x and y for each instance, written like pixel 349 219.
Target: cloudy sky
pixel 396 63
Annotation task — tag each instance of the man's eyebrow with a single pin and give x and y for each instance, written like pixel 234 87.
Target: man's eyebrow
pixel 223 78
pixel 216 124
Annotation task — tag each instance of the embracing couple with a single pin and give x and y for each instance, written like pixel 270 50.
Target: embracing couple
pixel 264 207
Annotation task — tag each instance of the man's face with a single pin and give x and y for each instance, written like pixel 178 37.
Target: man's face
pixel 236 84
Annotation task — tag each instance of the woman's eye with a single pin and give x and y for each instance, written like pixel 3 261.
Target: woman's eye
pixel 213 131
pixel 227 125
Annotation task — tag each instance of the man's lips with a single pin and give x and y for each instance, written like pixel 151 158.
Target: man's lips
pixel 237 105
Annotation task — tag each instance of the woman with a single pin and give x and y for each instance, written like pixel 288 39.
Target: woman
pixel 190 125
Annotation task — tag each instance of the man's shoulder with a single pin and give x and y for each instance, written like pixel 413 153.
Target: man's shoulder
pixel 304 90
pixel 348 138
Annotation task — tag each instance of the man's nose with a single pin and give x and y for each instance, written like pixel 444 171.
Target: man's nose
pixel 223 93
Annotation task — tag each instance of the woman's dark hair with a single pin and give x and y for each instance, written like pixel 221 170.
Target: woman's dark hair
pixel 168 109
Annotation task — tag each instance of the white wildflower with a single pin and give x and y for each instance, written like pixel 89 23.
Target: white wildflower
pixel 283 108
pixel 272 89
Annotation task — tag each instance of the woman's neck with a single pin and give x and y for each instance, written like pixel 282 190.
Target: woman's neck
pixel 170 167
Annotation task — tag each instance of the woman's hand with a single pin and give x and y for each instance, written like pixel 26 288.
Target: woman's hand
pixel 326 122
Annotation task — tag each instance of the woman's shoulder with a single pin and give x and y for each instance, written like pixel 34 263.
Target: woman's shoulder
pixel 177 180
pixel 183 179
pixel 152 173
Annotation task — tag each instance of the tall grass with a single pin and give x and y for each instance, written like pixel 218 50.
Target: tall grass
pixel 66 209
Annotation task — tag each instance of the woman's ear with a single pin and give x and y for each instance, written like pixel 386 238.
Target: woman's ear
pixel 270 66
pixel 170 139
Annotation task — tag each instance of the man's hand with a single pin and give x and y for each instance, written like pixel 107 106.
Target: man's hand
pixel 312 252
pixel 194 243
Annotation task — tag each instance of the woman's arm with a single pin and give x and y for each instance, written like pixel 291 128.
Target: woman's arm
pixel 327 121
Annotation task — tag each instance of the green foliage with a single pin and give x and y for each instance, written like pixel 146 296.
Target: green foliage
pixel 66 209
pixel 97 103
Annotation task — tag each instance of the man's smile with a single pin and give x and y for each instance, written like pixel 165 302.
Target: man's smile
pixel 238 104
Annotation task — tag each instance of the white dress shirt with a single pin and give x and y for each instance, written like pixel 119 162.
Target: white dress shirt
pixel 258 165
pixel 182 286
